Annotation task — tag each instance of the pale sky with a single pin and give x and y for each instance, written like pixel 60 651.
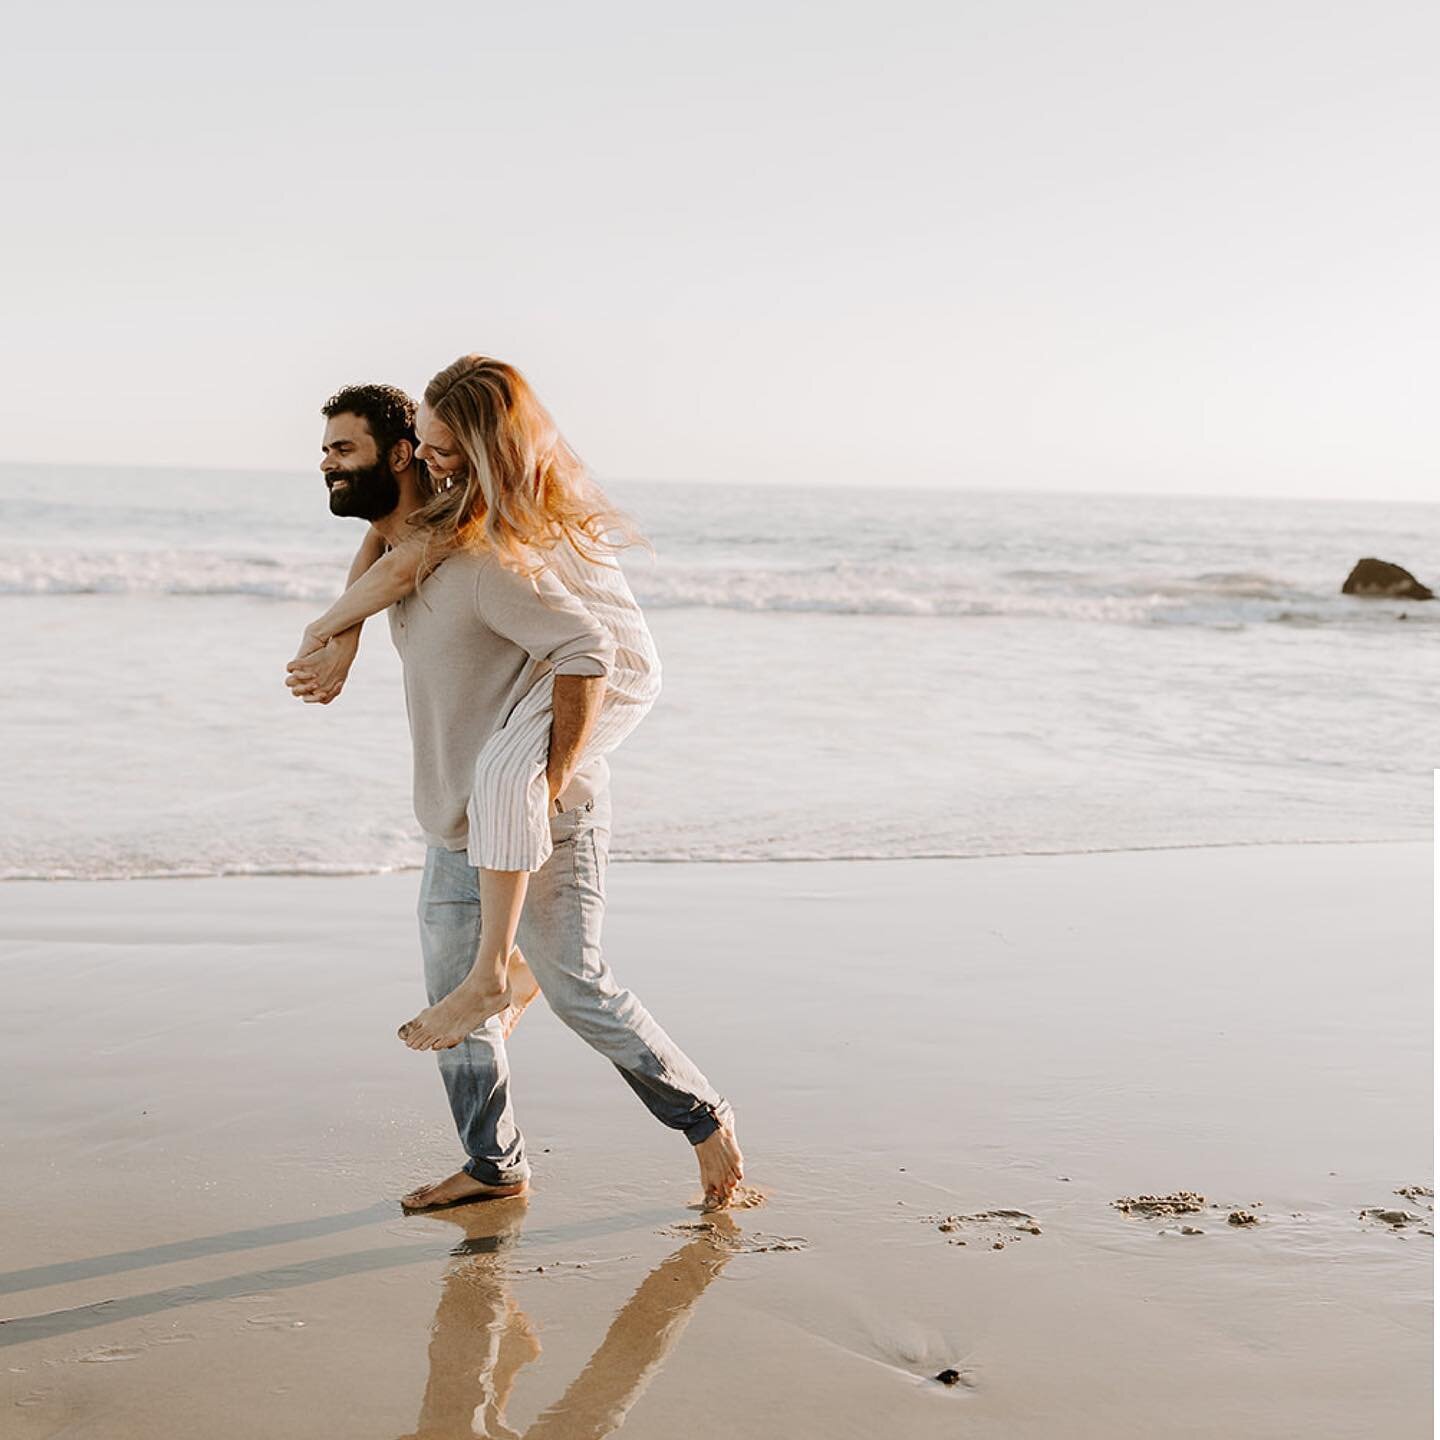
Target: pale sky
pixel 1083 245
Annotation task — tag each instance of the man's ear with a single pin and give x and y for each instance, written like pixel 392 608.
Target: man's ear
pixel 402 456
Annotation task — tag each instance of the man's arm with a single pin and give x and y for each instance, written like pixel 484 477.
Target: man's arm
pixel 546 620
pixel 575 706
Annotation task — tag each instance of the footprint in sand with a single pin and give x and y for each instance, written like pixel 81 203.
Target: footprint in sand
pixel 743 1197
pixel 1396 1220
pixel 746 1197
pixel 992 1229
pixel 738 1242
pixel 281 1320
pixel 107 1354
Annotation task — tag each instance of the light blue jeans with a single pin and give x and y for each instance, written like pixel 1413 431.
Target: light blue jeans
pixel 559 935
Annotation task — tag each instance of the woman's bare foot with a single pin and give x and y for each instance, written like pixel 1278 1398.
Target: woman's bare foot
pixel 722 1167
pixel 458 1189
pixel 524 987
pixel 446 1023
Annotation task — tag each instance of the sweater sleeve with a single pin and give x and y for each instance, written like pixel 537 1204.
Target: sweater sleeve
pixel 544 619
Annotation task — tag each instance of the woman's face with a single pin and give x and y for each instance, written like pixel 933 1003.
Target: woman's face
pixel 439 450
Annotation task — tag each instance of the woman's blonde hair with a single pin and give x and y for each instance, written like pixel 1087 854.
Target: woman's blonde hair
pixel 525 490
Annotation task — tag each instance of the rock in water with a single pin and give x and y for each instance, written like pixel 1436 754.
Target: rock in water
pixel 1379 578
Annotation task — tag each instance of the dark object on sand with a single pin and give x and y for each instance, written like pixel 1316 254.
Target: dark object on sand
pixel 1380 579
pixel 949 1377
pixel 1243 1217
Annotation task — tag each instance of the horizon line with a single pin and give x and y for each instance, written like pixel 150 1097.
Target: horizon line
pixel 1021 487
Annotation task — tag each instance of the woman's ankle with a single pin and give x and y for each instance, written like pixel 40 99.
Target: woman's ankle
pixel 486 980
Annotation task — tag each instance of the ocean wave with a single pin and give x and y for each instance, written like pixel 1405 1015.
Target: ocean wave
pixel 1218 599
pixel 170 572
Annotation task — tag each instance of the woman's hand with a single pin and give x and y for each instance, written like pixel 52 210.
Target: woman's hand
pixel 317 673
pixel 312 640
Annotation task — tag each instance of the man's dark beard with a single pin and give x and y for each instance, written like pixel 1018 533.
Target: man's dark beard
pixel 369 494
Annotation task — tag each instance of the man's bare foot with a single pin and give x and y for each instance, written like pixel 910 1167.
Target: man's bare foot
pixel 722 1167
pixel 524 987
pixel 459 1189
pixel 446 1023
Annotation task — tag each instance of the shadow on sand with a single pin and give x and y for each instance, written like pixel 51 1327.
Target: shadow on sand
pixel 480 1339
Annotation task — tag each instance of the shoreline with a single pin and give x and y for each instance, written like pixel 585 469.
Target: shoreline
pixel 712 860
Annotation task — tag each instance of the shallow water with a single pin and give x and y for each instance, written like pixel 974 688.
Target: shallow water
pixel 940 674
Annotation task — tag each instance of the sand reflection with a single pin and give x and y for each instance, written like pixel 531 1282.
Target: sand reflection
pixel 481 1338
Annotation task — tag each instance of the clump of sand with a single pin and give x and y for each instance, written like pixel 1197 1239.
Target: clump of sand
pixel 1185 1202
pixel 1181 1202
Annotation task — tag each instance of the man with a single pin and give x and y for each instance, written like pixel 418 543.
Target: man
pixel 467 643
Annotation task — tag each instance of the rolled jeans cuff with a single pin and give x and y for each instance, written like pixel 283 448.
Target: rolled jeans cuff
pixel 713 1119
pixel 488 1173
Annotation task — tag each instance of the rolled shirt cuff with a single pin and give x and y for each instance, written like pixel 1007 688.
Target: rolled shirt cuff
pixel 583 665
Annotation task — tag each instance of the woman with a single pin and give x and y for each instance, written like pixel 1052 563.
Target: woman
pixel 507 484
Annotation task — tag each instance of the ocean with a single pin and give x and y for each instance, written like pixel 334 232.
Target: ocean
pixel 849 673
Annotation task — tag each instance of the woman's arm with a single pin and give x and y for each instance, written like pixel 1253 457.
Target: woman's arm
pixel 391 578
pixel 318 672
pixel 372 547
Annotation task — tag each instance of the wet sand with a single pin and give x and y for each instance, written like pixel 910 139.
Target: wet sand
pixel 209 1121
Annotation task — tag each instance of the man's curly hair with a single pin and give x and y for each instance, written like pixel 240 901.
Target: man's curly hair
pixel 388 411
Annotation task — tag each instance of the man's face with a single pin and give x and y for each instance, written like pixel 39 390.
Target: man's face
pixel 357 476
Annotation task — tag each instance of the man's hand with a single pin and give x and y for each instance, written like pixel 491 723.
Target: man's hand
pixel 576 704
pixel 318 673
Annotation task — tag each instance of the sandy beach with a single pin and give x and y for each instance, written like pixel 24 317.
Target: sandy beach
pixel 210 1119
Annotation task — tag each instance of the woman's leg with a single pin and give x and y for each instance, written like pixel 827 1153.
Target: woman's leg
pixel 483 992
pixel 509 815
pixel 509 838
pixel 524 987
